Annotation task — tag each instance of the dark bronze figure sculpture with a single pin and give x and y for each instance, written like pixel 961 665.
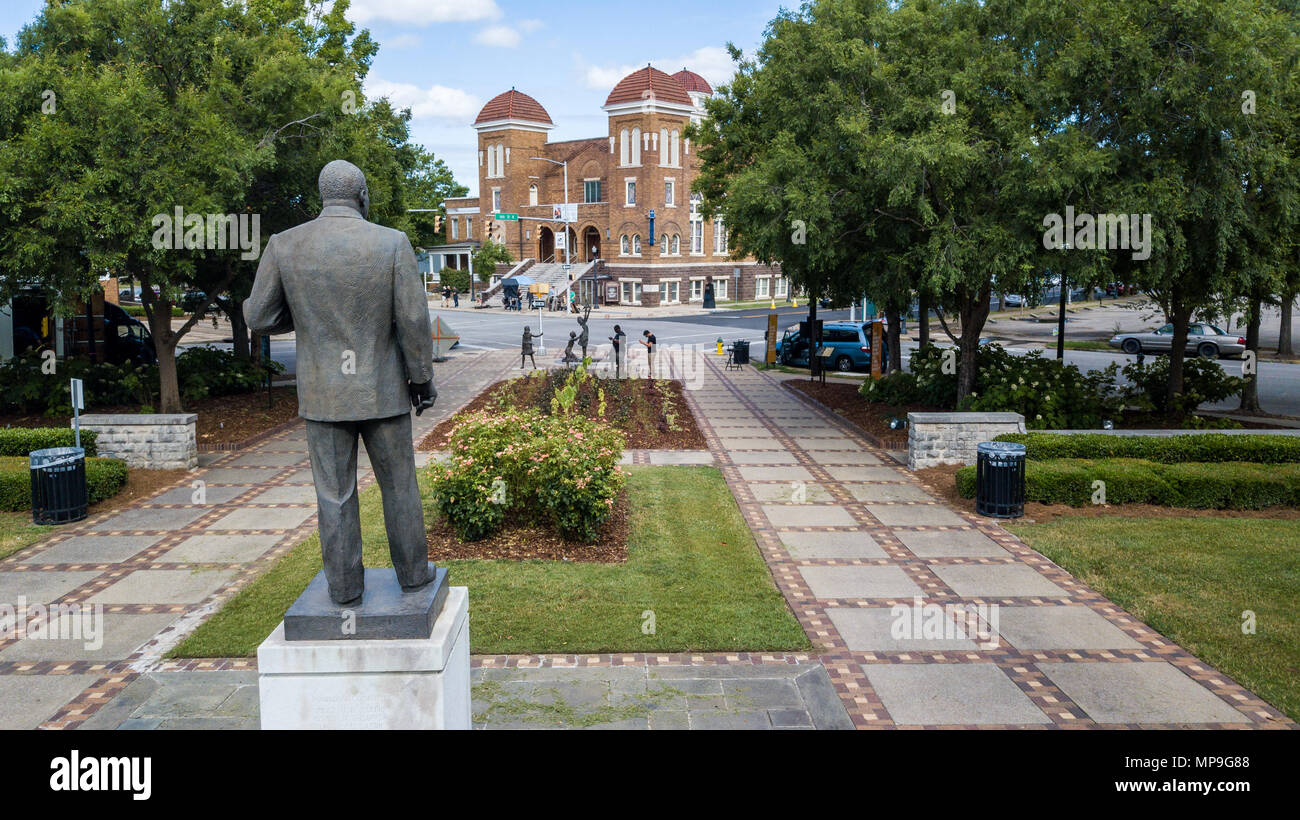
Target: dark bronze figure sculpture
pixel 352 293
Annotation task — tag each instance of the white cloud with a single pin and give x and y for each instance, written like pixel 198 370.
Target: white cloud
pixel 505 36
pixel 402 41
pixel 435 102
pixel 422 12
pixel 498 36
pixel 711 62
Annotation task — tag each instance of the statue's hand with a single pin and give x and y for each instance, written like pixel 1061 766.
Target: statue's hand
pixel 422 396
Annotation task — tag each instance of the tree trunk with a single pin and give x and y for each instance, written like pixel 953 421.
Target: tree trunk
pixel 239 330
pixel 1180 317
pixel 1250 391
pixel 974 313
pixel 894 328
pixel 1284 345
pixel 924 311
pixel 159 312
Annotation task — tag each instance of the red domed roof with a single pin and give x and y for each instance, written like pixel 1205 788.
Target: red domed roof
pixel 513 105
pixel 693 82
pixel 640 84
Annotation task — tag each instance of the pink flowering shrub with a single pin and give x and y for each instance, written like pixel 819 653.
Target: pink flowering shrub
pixel 517 462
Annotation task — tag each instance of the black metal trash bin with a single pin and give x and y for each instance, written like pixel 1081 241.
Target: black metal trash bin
pixel 740 352
pixel 58 485
pixel 1000 479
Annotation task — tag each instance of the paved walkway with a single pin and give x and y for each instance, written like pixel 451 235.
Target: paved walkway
pixel 849 534
pixel 162 565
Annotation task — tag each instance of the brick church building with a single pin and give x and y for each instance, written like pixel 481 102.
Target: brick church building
pixel 643 165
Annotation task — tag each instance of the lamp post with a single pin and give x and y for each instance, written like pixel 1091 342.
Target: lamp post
pixel 568 270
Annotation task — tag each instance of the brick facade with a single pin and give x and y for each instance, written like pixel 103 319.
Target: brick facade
pixel 645 144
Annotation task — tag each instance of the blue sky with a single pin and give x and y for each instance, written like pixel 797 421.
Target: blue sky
pixel 445 58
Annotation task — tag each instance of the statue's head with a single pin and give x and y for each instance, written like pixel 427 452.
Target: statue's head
pixel 342 183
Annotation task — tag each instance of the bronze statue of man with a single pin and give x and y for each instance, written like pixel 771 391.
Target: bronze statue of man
pixel 351 292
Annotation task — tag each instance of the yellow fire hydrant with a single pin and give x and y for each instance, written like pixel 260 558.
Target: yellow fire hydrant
pixel 719 345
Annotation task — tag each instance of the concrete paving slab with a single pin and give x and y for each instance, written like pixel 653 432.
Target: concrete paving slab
pixel 822 545
pixel 808 515
pixel 231 475
pixel 888 492
pixel 792 473
pixel 219 549
pixel 785 493
pixel 874 630
pixel 282 518
pixel 1143 692
pixel 951 544
pixel 996 581
pixel 859 582
pixel 915 515
pixel 122 635
pixel 151 519
pixel 211 495
pixel 41 587
pixel 294 494
pixel 163 586
pixel 932 694
pixel 27 701
pixel 864 473
pixel 766 457
pixel 1060 627
pixel 93 549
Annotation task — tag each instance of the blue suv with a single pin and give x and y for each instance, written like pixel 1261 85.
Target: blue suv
pixel 851 340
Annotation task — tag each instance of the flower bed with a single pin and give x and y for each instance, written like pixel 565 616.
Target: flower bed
pixel 563 468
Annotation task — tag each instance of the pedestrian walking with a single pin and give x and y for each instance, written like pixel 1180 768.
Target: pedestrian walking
pixel 455 297
pixel 619 350
pixel 648 339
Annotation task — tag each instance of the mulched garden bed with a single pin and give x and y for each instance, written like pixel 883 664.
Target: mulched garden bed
pixel 942 480
pixel 845 401
pixel 522 541
pixel 223 421
pixel 638 408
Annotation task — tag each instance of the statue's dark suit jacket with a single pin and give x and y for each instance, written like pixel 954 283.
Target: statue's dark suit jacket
pixel 351 291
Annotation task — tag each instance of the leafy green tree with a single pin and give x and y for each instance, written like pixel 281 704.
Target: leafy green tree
pixel 488 256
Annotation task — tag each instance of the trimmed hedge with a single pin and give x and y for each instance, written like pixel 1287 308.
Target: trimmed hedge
pixel 1218 486
pixel 21 441
pixel 1207 447
pixel 105 478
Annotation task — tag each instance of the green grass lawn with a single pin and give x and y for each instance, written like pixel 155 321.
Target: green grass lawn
pixel 1191 579
pixel 692 561
pixel 18 531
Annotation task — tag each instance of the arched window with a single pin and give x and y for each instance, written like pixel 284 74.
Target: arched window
pixel 532 194
pixel 677 244
pixel 674 156
pixel 624 155
pixel 636 146
pixel 663 146
pixel 719 236
pixel 636 244
pixel 664 247
pixel 623 245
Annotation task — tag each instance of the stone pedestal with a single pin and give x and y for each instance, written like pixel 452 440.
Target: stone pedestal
pixel 370 683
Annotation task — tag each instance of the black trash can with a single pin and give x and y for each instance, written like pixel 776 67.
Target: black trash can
pixel 58 485
pixel 741 352
pixel 1000 479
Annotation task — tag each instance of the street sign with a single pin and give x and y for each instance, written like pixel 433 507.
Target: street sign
pixel 560 241
pixel 78 397
pixel 506 217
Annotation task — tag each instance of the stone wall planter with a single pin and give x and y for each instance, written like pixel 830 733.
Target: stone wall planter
pixel 951 438
pixel 150 441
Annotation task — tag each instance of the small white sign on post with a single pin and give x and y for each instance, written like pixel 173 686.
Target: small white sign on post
pixel 560 241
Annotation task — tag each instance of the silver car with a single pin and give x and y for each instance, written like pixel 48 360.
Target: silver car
pixel 1204 340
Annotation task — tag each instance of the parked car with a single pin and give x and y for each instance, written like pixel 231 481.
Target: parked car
pixel 851 340
pixel 1013 300
pixel 1204 340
